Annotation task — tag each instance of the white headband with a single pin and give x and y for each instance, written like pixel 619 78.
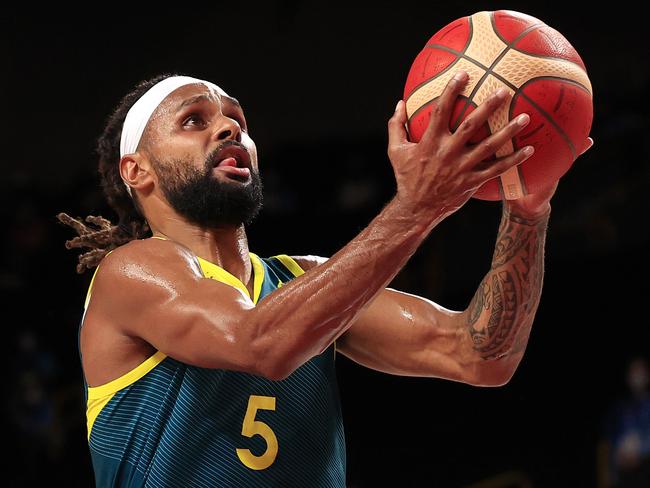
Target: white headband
pixel 141 111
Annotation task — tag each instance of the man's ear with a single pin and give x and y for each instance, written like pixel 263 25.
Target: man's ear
pixel 136 172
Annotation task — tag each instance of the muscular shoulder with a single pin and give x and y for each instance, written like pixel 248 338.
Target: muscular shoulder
pixel 145 263
pixel 148 254
pixel 308 262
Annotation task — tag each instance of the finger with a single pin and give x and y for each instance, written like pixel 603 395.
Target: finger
pixel 492 169
pixel 490 145
pixel 442 108
pixel 397 126
pixel 477 119
pixel 588 145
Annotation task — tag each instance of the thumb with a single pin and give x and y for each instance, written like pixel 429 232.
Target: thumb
pixel 397 125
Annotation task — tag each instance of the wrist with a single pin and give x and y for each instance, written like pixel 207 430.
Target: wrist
pixel 423 212
pixel 517 213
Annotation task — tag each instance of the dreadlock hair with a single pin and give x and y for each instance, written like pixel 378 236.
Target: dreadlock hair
pixel 96 232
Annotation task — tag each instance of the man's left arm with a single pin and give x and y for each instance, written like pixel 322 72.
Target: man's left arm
pixel 404 334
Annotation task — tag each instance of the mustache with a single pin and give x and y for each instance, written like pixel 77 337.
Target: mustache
pixel 213 157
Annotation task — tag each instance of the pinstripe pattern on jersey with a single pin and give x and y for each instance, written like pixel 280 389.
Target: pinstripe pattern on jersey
pixel 180 425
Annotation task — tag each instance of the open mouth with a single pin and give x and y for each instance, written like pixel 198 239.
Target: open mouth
pixel 233 160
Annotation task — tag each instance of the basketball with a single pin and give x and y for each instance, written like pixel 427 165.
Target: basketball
pixel 543 73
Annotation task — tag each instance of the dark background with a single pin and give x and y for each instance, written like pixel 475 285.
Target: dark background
pixel 318 81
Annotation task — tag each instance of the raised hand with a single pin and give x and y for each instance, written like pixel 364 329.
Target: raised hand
pixel 443 170
pixel 538 204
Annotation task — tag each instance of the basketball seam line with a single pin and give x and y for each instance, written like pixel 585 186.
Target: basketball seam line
pixel 490 70
pixel 459 54
pixel 513 87
pixel 545 114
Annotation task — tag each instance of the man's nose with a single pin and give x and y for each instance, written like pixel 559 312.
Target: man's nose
pixel 228 129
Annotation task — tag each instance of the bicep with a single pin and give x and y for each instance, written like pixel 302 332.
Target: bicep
pixel 203 326
pixel 166 302
pixel 404 334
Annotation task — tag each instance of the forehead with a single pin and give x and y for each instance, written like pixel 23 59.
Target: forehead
pixel 174 103
pixel 188 94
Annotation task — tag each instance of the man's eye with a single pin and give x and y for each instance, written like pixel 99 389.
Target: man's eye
pixel 194 120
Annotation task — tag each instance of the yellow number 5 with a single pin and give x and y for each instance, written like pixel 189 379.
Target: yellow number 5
pixel 252 427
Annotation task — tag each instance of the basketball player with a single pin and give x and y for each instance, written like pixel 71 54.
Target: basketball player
pixel 207 365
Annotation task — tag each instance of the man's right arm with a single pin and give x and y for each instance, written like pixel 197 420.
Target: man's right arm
pixel 154 290
pixel 164 300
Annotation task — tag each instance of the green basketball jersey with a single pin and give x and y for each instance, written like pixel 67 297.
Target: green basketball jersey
pixel 169 424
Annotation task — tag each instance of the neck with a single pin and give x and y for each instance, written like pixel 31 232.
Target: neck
pixel 226 247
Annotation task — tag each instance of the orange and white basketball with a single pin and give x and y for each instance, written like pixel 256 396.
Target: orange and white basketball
pixel 544 74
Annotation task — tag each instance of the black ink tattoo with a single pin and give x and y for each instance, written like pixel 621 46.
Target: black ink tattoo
pixel 501 312
pixel 479 302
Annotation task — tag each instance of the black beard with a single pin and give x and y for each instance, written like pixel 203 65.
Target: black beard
pixel 206 201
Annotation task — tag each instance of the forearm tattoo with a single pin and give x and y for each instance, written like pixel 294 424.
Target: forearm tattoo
pixel 501 312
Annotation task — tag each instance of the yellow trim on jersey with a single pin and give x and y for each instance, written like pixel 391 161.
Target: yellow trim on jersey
pixel 258 276
pixel 216 272
pixel 295 269
pixel 99 396
pixel 290 264
pixel 95 392
pixel 90 287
